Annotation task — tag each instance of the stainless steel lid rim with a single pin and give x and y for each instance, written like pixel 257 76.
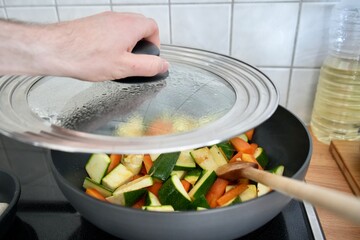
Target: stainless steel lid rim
pixel 256 99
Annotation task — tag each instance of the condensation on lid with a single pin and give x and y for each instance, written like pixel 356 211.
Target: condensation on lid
pixel 206 98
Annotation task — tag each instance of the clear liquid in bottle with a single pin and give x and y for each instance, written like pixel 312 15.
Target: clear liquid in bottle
pixel 336 111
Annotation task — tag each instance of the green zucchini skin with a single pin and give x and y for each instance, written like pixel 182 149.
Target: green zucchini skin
pixel 164 165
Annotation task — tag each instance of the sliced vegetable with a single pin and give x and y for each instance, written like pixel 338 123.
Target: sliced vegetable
pixel 163 208
pixel 147 162
pixel 152 200
pixel 261 157
pixel 204 159
pixel 279 170
pixel 133 162
pixel 128 198
pixel 218 156
pixel 216 191
pixel 89 183
pixel 227 149
pixel 240 145
pixel 249 134
pixel 231 194
pixel 200 202
pixel 155 188
pixel 249 193
pixel 250 158
pixel 140 183
pixel 186 185
pixel 115 159
pixel 173 193
pixel 97 166
pixel 118 176
pixel 94 193
pixel 203 185
pixel 180 173
pixel 193 175
pixel 164 165
pixel 140 203
pixel 185 161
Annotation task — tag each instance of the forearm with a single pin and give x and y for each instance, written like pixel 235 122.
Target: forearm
pixel 20 48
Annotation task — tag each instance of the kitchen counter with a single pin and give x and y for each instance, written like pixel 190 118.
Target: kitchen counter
pixel 325 172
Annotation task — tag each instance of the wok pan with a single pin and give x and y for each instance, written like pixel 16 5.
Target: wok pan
pixel 283 136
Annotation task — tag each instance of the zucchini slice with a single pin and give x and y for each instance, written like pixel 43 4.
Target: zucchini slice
pixel 164 165
pixel 203 185
pixel 118 176
pixel 173 193
pixel 218 156
pixel 97 166
pixel 162 208
pixel 185 161
pixel 89 183
pixel 204 159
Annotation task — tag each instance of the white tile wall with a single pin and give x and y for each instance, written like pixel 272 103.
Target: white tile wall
pixel 28 2
pixel 280 77
pixel 196 26
pixel 139 1
pixel 2 13
pixel 302 92
pixel 264 33
pixel 286 39
pixel 80 2
pixel 73 12
pixel 33 14
pixel 311 47
pixel 158 12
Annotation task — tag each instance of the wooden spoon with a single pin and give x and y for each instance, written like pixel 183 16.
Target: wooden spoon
pixel 341 203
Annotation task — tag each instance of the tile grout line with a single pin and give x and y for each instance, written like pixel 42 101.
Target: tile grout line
pixel 231 26
pixel 170 22
pixel 293 53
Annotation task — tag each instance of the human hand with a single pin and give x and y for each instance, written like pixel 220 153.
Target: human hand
pixel 95 48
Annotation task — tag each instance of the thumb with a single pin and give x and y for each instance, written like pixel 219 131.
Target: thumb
pixel 144 65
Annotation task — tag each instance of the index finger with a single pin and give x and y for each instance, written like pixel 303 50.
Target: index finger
pixel 151 33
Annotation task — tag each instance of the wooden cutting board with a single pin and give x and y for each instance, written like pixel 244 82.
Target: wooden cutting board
pixel 347 156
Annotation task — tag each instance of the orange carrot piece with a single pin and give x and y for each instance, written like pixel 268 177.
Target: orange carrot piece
pixel 155 188
pixel 159 127
pixel 140 203
pixel 250 134
pixel 250 158
pixel 253 146
pixel 232 193
pixel 186 185
pixel 216 191
pixel 236 157
pixel 115 159
pixel 136 177
pixel 94 193
pixel 147 162
pixel 240 145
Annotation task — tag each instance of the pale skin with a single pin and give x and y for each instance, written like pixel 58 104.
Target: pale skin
pixel 95 48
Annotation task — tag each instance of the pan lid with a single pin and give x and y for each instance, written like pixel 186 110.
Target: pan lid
pixel 204 99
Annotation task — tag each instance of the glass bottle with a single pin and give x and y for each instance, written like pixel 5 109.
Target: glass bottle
pixel 336 111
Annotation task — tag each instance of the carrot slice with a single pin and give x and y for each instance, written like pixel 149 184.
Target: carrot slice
pixel 155 188
pixel 254 146
pixel 147 162
pixel 231 194
pixel 159 127
pixel 240 145
pixel 94 193
pixel 136 177
pixel 216 191
pixel 140 203
pixel 250 134
pixel 115 159
pixel 236 157
pixel 250 158
pixel 186 185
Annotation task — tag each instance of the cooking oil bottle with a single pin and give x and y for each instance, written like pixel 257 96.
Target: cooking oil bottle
pixel 336 111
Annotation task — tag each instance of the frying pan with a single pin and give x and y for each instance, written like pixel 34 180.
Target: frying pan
pixel 283 136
